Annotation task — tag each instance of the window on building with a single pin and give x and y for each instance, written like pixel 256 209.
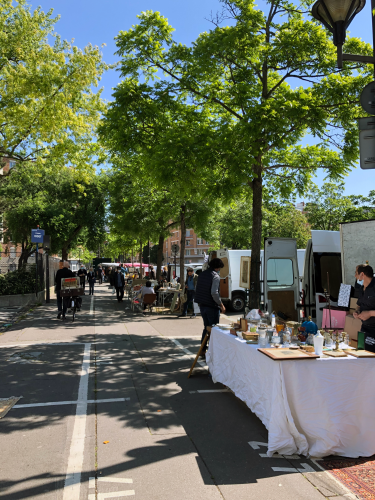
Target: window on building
pixel 12 164
pixel 187 252
pixel 187 232
pixel 187 243
pixel 199 241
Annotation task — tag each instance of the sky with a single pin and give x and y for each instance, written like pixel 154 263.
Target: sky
pixel 98 22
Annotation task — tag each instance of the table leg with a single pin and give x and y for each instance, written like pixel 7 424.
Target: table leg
pixel 203 345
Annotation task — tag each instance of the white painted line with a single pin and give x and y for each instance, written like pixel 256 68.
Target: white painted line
pixel 91 483
pixel 189 353
pixel 59 403
pixel 55 343
pixel 276 455
pixel 72 487
pixel 92 305
pixel 304 468
pixel 213 390
pixel 115 480
pixel 255 444
pixel 115 494
pixel 284 469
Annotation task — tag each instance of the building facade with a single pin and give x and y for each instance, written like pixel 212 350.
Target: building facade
pixel 195 247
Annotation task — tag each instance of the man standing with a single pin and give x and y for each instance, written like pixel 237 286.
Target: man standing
pixel 62 303
pixel 99 273
pixel 190 285
pixel 207 295
pixel 82 273
pixel 91 280
pixel 366 305
pixel 119 282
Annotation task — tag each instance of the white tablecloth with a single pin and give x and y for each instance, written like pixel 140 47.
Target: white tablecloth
pixel 311 407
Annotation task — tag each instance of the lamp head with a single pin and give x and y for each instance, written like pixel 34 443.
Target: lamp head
pixel 336 16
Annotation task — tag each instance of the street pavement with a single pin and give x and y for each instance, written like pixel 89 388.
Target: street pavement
pixel 107 412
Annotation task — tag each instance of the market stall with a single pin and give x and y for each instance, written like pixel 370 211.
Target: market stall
pixel 313 407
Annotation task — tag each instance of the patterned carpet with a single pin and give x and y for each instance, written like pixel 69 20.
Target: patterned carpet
pixel 357 474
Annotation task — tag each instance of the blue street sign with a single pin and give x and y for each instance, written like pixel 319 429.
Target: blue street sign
pixel 37 235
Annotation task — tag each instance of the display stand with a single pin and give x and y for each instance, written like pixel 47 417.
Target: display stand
pixel 203 345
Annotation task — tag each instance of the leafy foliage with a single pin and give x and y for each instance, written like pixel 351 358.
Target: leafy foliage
pixel 17 282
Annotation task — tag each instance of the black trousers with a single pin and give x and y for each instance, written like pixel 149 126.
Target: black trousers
pixel 119 292
pixel 62 303
pixel 91 287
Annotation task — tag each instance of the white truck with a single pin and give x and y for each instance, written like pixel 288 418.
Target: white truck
pixel 234 295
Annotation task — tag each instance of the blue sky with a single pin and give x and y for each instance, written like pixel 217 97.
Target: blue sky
pixel 98 22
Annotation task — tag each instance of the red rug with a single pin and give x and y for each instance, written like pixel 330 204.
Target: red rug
pixel 357 474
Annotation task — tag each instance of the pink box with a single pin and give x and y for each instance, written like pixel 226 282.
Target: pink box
pixel 337 319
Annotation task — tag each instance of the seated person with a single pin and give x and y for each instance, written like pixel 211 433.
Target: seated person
pixel 146 290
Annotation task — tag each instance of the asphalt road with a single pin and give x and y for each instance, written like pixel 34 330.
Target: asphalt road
pixel 107 411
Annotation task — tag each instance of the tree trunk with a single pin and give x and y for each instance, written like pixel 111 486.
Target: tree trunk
pixel 140 259
pixel 182 247
pixel 256 242
pixel 64 253
pixel 160 256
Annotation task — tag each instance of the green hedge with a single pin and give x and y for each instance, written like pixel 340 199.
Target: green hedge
pixel 17 282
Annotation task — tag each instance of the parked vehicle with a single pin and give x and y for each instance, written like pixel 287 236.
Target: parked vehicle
pixel 234 295
pixel 322 262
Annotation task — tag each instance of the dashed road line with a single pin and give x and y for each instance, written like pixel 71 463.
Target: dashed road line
pixel 115 494
pixel 109 480
pixel 210 390
pixel 61 403
pixel 189 353
pixel 92 305
pixel 304 468
pixel 72 487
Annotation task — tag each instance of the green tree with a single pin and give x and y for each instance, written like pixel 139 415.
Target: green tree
pixel 242 76
pixel 68 207
pixel 48 110
pixel 150 257
pixel 327 207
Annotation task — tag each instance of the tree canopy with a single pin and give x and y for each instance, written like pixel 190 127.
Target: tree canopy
pixel 239 80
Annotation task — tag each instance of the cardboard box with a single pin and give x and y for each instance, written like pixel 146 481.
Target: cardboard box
pixel 352 327
pixel 337 319
pixel 352 305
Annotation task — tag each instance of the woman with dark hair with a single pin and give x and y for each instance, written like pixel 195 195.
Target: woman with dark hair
pixel 152 273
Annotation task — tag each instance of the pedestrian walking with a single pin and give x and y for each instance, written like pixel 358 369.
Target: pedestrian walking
pixel 152 273
pixel 91 281
pixel 62 302
pixel 111 277
pixel 82 273
pixel 119 282
pixel 190 286
pixel 207 295
pixel 99 274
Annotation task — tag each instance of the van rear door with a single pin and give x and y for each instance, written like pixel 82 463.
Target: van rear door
pixel 281 277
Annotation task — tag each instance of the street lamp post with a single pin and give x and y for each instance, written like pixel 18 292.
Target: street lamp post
pixel 336 16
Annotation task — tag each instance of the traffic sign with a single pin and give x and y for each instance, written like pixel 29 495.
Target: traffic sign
pixel 367 149
pixel 368 98
pixel 37 235
pixel 175 248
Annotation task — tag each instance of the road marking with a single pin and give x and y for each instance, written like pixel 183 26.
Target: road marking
pixel 189 353
pixel 115 494
pixel 56 343
pixel 276 455
pixel 255 444
pixel 210 390
pixel 72 487
pixel 304 468
pixel 58 403
pixel 109 480
pixel 92 305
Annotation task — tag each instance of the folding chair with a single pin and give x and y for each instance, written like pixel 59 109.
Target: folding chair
pixel 149 300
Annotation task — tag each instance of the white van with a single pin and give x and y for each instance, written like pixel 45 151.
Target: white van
pixel 322 262
pixel 234 295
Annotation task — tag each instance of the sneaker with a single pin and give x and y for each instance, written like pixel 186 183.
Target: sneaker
pixel 59 316
pixel 193 315
pixel 63 318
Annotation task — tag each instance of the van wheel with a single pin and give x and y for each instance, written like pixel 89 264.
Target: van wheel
pixel 237 303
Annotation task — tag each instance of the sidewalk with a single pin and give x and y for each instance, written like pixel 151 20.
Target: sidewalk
pixel 108 412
